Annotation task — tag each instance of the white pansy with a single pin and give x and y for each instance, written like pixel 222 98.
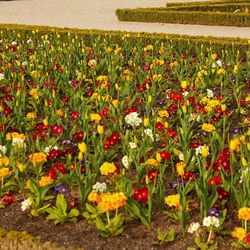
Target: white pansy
pixel 211 221
pixel 219 63
pixel 26 204
pixel 245 175
pixel 49 148
pixel 194 226
pixel 132 145
pixel 24 63
pixel 126 161
pixel 29 42
pixel 100 187
pixel 185 93
pixel 149 133
pixel 3 150
pixel 198 150
pixel 194 117
pixel 1 76
pixel 14 43
pixel 210 93
pixel 133 119
pixel 18 143
pixel 181 156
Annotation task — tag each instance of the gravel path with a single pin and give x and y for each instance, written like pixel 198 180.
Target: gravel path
pixel 100 14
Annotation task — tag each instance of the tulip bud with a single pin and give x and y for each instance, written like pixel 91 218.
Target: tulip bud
pixel 158 157
pixel 244 162
pixel 82 147
pixel 100 129
pixel 80 156
pixel 146 122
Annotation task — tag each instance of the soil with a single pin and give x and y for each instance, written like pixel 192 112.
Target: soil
pixel 85 235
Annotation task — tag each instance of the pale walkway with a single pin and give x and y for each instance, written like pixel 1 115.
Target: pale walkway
pixel 100 14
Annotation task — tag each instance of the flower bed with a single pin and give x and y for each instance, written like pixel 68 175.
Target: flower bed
pixel 223 14
pixel 106 133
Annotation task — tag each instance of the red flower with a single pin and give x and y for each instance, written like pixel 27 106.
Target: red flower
pixel 140 194
pixel 159 126
pixel 152 174
pixel 215 180
pixel 247 240
pixel 57 129
pixel 75 115
pixel 165 155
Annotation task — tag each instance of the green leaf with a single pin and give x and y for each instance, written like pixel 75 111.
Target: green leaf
pixel 99 224
pixel 61 204
pixel 74 212
pixel 134 207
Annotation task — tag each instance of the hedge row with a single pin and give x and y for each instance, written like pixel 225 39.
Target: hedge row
pixel 162 15
pixel 203 3
pixel 232 45
pixel 225 7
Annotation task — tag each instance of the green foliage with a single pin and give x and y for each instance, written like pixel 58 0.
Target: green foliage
pixel 223 14
pixel 205 246
pixel 231 44
pixel 137 210
pixel 59 213
pixel 165 236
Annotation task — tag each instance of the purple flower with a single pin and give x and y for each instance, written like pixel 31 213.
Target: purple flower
pixel 62 189
pixel 214 212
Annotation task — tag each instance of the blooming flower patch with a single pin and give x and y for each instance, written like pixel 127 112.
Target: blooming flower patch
pixel 104 130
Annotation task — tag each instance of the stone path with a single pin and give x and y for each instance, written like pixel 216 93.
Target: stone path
pixel 100 14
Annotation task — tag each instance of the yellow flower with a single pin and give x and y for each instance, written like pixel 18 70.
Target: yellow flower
pixel 204 151
pixel 148 47
pixel 34 93
pixel 173 200
pixel 82 147
pixel 208 127
pixel 31 115
pixel 107 168
pixel 234 144
pixel 163 113
pixel 158 157
pixel 60 113
pixel 146 122
pixel 4 161
pixel 94 197
pixel 10 136
pixel 221 71
pixel 183 84
pixel 44 181
pixel 45 122
pixel 95 117
pixel 38 157
pixel 4 172
pixel 180 168
pixel 244 213
pixel 110 201
pixel 115 103
pixel 152 162
pixel 20 166
pixel 239 233
pixel 244 162
pixel 100 129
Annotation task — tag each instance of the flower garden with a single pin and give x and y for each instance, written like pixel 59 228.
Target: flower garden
pixel 125 138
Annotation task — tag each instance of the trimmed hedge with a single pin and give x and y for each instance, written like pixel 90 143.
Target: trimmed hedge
pixel 229 7
pixel 232 45
pixel 156 15
pixel 203 3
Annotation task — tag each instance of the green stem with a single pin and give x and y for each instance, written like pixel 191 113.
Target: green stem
pixel 246 226
pixel 107 213
pixel 209 236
